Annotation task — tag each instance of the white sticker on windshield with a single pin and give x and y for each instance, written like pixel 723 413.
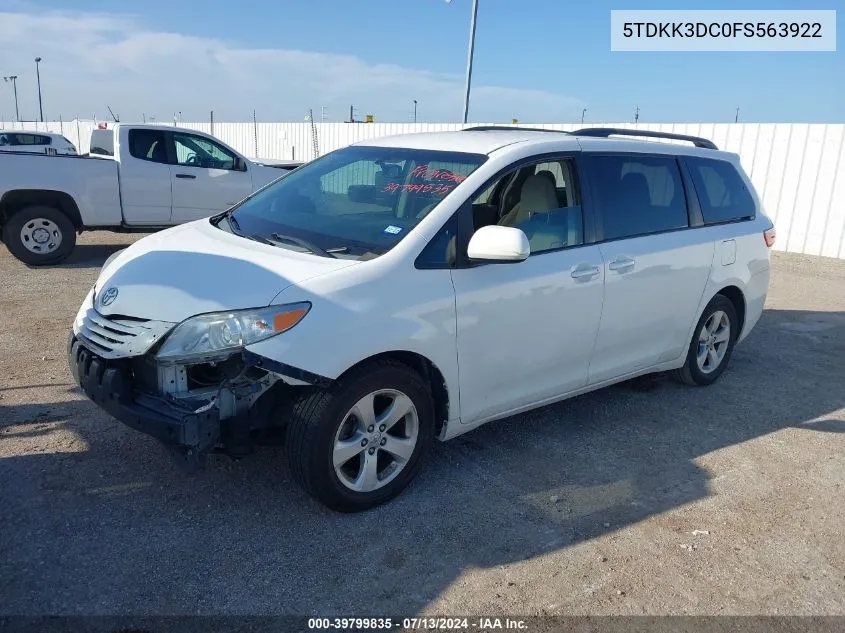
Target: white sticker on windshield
pixel 393 230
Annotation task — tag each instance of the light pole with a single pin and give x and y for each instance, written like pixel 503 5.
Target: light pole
pixel 470 51
pixel 415 110
pixel 38 76
pixel 14 79
pixel 583 112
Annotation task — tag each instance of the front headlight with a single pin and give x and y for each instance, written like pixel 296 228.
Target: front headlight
pixel 217 334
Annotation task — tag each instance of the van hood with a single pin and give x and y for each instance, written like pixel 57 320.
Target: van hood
pixel 196 268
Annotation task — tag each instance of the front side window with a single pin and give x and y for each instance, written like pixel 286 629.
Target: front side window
pixel 638 195
pixel 354 202
pixel 721 191
pixel 198 151
pixel 541 200
pixel 148 145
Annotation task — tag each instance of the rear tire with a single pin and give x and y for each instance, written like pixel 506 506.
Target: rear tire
pixel 324 426
pixel 39 235
pixel 712 344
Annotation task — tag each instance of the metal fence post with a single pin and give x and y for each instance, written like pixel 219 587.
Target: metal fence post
pixel 255 132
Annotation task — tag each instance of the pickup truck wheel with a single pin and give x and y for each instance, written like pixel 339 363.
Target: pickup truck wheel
pixel 712 343
pixel 361 442
pixel 39 236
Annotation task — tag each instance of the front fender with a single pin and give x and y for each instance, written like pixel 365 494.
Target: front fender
pixel 348 325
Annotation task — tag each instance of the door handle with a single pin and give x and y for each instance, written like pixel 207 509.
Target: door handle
pixel 621 263
pixel 584 271
pixel 191 176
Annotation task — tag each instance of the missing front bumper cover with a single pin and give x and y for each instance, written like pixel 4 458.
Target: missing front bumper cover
pixel 189 426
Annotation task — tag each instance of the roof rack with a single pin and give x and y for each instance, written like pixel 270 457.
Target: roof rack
pixel 604 132
pixel 509 128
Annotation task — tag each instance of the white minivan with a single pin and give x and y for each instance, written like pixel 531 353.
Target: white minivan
pixel 415 287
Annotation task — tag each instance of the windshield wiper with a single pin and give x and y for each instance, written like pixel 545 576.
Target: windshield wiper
pixel 278 237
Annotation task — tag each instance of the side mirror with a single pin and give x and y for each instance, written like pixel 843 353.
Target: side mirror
pixel 240 164
pixel 502 244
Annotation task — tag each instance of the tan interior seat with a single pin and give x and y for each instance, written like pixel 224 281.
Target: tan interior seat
pixel 538 195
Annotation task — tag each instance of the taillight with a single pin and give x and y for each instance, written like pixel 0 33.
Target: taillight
pixel 770 235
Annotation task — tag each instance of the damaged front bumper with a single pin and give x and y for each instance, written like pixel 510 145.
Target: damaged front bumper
pixel 192 409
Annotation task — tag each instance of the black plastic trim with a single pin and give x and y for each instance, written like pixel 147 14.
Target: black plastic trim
pixel 506 128
pixel 262 362
pixel 605 132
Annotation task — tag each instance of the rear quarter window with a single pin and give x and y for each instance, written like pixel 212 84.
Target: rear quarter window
pixel 721 191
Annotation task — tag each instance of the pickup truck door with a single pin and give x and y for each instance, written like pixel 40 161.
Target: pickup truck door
pixel 206 177
pixel 145 179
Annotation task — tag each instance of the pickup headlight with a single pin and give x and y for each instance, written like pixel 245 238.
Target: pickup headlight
pixel 217 334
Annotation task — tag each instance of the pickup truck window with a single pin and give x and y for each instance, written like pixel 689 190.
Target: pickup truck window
pixel 198 151
pixel 355 202
pixel 148 145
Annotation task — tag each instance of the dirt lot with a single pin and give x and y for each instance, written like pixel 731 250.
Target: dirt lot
pixel 648 497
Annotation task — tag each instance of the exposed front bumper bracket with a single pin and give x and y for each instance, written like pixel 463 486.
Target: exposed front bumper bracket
pixel 110 386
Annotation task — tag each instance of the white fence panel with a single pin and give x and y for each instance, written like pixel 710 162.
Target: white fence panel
pixel 798 169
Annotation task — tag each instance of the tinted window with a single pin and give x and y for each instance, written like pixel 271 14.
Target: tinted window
pixel 721 191
pixel 102 142
pixel 638 195
pixel 30 139
pixel 198 151
pixel 359 201
pixel 148 145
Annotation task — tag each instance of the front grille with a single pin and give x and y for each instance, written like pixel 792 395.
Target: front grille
pixel 115 337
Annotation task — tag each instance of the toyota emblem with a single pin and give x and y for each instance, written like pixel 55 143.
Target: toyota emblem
pixel 108 296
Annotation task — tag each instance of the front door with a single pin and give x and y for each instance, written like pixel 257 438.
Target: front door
pixel 206 178
pixel 526 331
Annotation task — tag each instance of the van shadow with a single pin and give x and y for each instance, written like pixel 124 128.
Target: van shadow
pixel 117 528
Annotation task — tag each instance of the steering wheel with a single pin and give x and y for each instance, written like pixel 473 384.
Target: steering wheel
pixel 193 159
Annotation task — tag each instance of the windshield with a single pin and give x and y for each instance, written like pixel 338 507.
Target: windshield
pixel 354 202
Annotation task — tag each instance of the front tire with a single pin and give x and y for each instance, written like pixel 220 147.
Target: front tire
pixel 712 343
pixel 39 236
pixel 359 443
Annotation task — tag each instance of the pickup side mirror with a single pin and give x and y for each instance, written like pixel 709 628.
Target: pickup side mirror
pixel 240 164
pixel 501 244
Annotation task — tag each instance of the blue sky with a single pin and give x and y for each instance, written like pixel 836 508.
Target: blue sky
pixel 538 60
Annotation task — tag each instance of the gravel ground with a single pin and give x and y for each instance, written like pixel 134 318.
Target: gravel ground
pixel 648 497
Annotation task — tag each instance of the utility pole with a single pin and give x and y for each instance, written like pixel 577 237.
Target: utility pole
pixel 583 112
pixel 14 79
pixel 38 76
pixel 637 115
pixel 322 114
pixel 470 52
pixel 736 118
pixel 415 110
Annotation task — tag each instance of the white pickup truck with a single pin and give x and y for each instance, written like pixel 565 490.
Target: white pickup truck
pixel 136 178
